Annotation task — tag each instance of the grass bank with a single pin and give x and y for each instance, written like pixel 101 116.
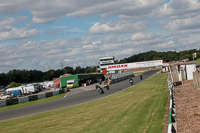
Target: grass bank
pixel 32 102
pixel 197 61
pixel 136 110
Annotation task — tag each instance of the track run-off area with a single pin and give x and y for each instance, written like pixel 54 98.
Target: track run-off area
pixel 139 108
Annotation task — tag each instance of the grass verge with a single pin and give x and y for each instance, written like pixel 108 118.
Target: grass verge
pixel 138 109
pixel 197 61
pixel 32 102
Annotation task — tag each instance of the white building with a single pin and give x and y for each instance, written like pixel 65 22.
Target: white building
pixel 185 70
pixel 104 62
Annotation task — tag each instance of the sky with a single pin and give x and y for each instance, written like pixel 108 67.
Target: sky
pixel 43 34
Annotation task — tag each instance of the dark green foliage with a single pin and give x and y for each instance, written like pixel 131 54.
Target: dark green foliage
pixel 123 61
pixel 165 56
pixel 14 84
pixel 30 76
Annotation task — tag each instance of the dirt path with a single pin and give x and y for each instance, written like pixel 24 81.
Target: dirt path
pixel 187 99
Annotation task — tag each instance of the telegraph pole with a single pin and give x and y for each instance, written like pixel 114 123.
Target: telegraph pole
pixel 62 65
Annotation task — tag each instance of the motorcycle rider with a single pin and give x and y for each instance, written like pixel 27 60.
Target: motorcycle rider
pixel 141 77
pixel 106 86
pixel 99 89
pixel 131 80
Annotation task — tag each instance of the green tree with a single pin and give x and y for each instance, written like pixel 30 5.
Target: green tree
pixel 123 61
pixel 14 84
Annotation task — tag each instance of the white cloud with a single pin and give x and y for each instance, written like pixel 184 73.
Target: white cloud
pixel 45 11
pixel 118 27
pixel 8 6
pixel 170 44
pixel 180 16
pixel 142 36
pixel 6 24
pixel 15 33
pixel 179 9
pixel 184 24
pixel 110 46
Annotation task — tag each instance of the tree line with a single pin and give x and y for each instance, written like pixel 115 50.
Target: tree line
pixel 31 76
pixel 165 56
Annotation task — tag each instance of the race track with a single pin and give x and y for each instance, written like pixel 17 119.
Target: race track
pixel 70 99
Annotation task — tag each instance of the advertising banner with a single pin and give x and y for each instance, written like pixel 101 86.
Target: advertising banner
pixel 135 65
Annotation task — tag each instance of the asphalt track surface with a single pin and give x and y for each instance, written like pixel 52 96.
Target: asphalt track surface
pixel 71 99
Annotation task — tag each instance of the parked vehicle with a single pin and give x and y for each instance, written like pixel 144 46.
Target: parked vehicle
pixel 21 90
pixel 10 94
pixel 3 89
pixel 70 83
pixel 29 89
pixel 48 84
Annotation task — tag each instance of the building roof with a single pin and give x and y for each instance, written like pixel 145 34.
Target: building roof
pixel 106 57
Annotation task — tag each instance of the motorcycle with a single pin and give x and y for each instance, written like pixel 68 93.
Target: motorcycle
pixel 131 81
pixel 106 86
pixel 99 89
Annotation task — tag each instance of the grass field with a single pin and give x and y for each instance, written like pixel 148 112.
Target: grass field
pixel 32 102
pixel 197 61
pixel 139 109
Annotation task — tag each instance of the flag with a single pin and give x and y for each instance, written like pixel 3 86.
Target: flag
pixel 104 71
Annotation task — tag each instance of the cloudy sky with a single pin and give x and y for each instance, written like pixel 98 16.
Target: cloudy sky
pixel 40 34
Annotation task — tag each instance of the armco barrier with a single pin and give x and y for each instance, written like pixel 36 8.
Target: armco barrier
pixel 172 113
pixel 41 96
pixel 61 91
pixel 49 94
pixel 12 101
pixel 66 90
pixel 33 97
pixel 56 93
pixel 120 79
pixel 2 103
pixel 23 99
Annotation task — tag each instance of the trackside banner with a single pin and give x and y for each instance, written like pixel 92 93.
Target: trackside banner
pixel 135 65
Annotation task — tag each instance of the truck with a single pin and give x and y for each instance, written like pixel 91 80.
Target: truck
pixel 10 94
pixel 29 89
pixel 19 91
pixel 48 84
pixel 71 83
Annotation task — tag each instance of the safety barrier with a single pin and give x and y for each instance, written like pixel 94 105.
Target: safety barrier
pixel 49 94
pixel 33 97
pixel 172 127
pixel 25 99
pixel 121 76
pixel 41 96
pixel 2 103
pixel 12 101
